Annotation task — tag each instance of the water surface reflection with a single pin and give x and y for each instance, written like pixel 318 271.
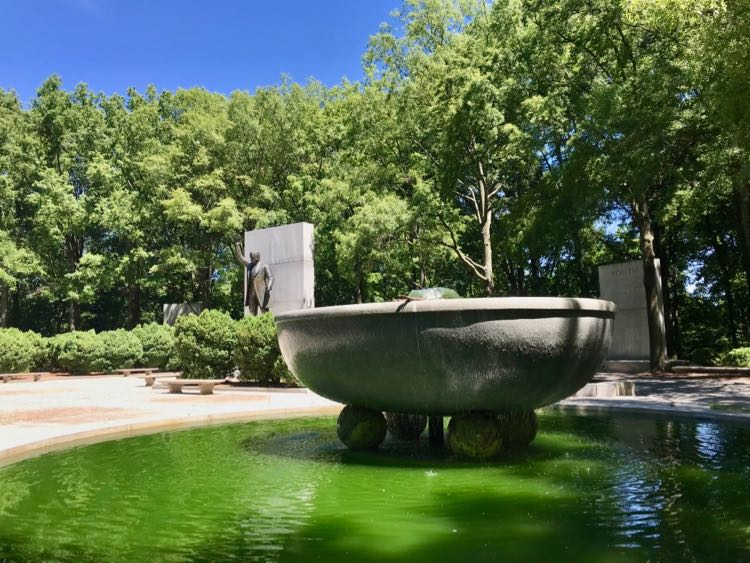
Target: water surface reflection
pixel 604 488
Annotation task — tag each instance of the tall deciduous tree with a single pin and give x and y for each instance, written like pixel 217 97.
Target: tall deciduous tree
pixel 639 109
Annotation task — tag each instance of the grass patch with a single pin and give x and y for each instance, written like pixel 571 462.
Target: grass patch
pixel 723 407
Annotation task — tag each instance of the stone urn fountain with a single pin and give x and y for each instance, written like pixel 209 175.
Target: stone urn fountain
pixel 488 363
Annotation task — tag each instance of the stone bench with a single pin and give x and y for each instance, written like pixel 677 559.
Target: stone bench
pixel 130 371
pixel 150 378
pixel 205 386
pixel 36 375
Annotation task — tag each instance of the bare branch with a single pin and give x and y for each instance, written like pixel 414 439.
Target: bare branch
pixel 469 194
pixel 478 269
pixel 495 191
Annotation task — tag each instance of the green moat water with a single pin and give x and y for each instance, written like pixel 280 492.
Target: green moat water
pixel 611 488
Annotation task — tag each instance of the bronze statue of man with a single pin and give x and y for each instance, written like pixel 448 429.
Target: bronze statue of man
pixel 259 280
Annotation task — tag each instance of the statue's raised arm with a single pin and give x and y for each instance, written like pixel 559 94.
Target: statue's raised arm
pixel 238 255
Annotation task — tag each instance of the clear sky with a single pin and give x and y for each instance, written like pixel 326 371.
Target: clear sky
pixel 222 45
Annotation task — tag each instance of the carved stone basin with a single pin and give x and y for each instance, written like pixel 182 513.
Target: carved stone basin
pixel 451 356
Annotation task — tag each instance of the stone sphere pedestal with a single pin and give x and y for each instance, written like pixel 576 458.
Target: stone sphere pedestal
pixel 485 434
pixel 360 428
pixel 517 427
pixel 475 434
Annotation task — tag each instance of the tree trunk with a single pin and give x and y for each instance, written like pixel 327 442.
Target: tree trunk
pixel 359 291
pixel 744 327
pixel 726 282
pixel 73 253
pixel 676 319
pixel 582 277
pixel 4 309
pixel 742 200
pixel 661 250
pixel 14 309
pixel 657 348
pixel 487 258
pixel 201 279
pixel 134 305
pixel 509 273
pixel 521 281
pixel 536 277
pixel 74 314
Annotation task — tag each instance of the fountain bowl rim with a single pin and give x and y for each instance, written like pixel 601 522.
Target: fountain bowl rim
pixel 597 307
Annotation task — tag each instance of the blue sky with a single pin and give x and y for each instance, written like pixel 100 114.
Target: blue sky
pixel 222 45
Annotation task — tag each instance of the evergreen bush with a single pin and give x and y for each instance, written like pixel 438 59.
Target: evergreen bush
pixel 117 349
pixel 739 357
pixel 76 352
pixel 257 352
pixel 158 345
pixel 205 344
pixel 282 373
pixel 21 351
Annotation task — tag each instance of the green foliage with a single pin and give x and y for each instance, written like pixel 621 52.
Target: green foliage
pixel 21 351
pixel 205 344
pixel 158 343
pixel 118 349
pixel 704 356
pixel 497 148
pixel 257 351
pixel 739 357
pixel 76 352
pixel 281 372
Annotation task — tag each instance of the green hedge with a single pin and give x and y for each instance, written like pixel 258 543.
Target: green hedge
pixel 76 352
pixel 117 349
pixel 739 357
pixel 257 352
pixel 205 344
pixel 158 346
pixel 210 345
pixel 22 351
pixel 86 351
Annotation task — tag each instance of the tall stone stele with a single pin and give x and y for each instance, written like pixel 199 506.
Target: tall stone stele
pixel 287 252
pixel 623 285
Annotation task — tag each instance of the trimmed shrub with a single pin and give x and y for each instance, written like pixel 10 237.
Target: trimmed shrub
pixel 76 352
pixel 205 344
pixel 257 352
pixel 21 351
pixel 281 372
pixel 117 349
pixel 158 346
pixel 739 357
pixel 42 359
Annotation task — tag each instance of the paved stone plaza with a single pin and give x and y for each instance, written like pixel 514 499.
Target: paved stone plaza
pixel 66 411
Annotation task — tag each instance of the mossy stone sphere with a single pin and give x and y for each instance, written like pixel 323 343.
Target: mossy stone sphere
pixel 407 427
pixel 517 427
pixel 475 435
pixel 360 428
